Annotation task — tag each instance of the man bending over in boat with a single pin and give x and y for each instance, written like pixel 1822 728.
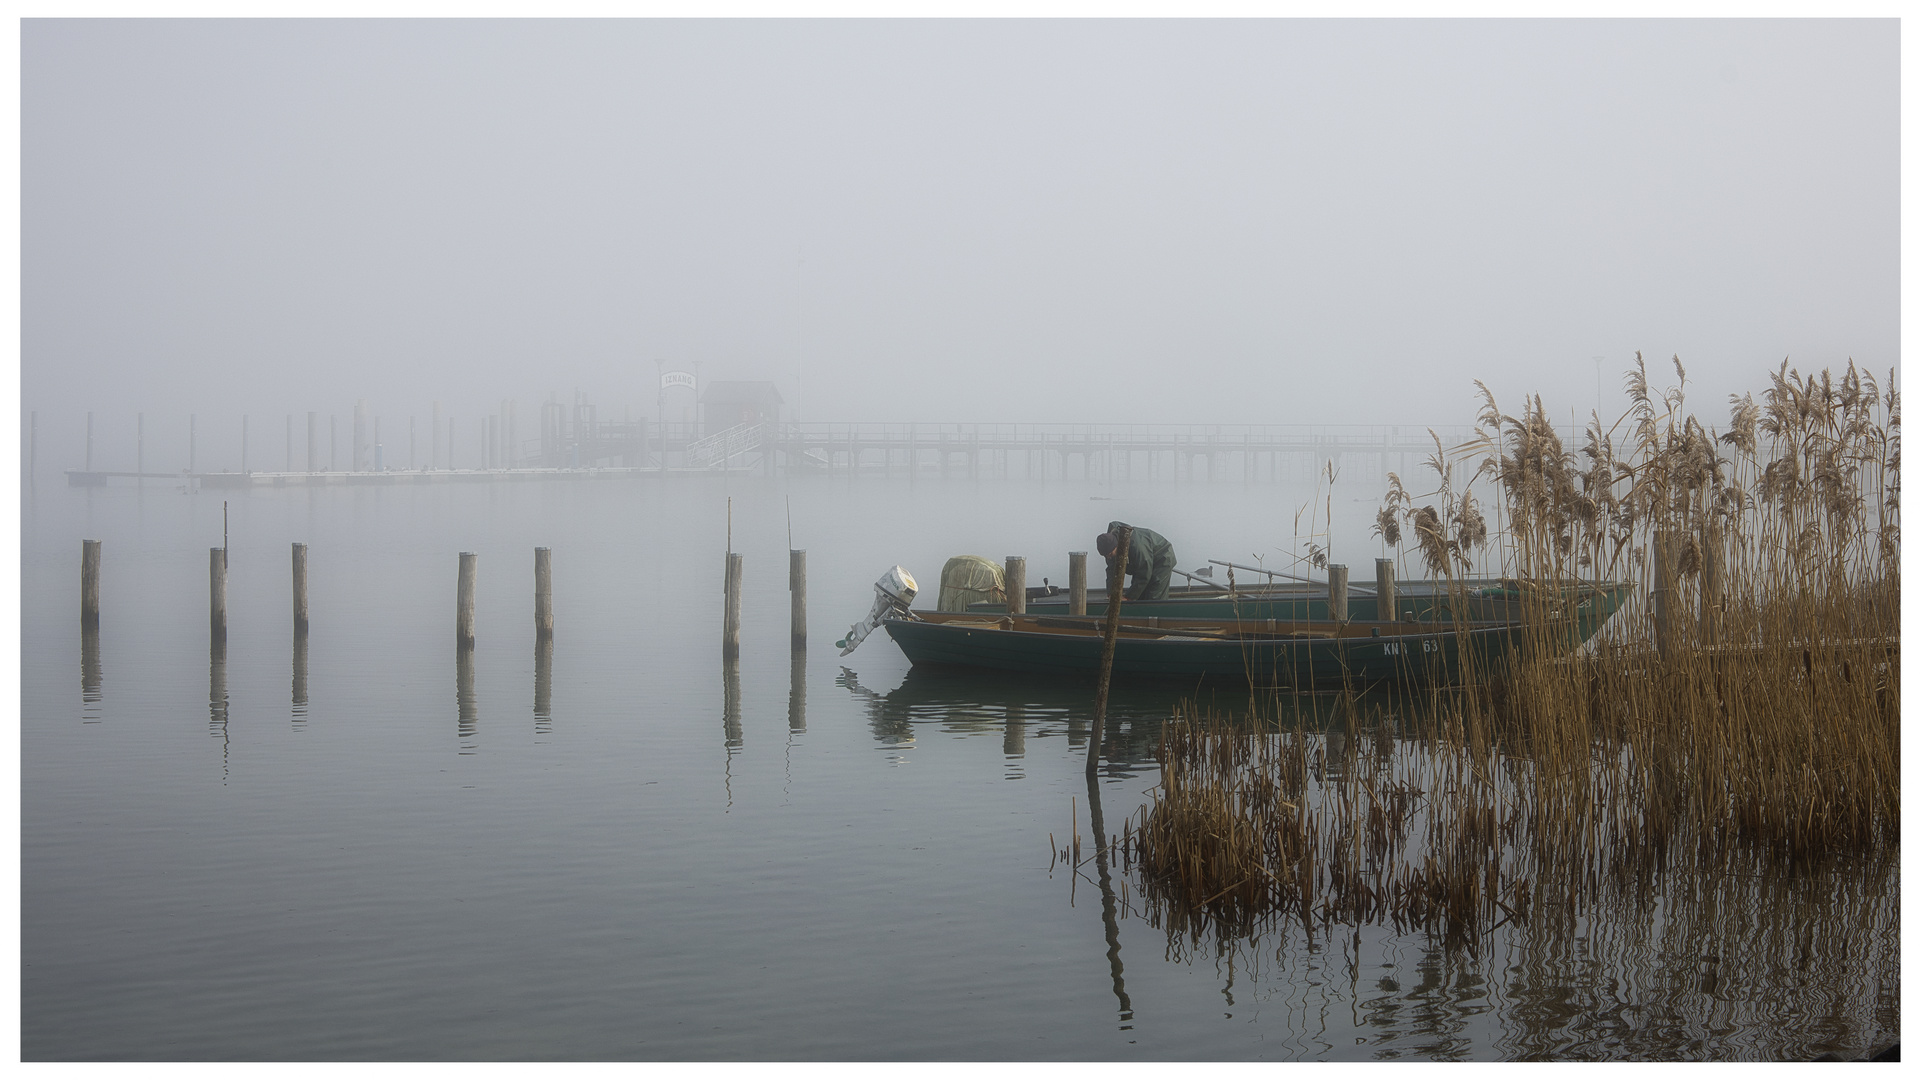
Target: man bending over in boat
pixel 1149 560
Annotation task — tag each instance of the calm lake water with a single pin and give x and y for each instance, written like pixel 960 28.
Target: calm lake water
pixel 623 853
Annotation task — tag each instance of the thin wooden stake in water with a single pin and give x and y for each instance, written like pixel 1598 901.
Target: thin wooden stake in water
pixel 223 532
pixel 542 593
pixel 1076 583
pixel 299 590
pixel 797 585
pixel 463 601
pixel 1116 577
pixel 217 592
pixel 1337 592
pixel 90 584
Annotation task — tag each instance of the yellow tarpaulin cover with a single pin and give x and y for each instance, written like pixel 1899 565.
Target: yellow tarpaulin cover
pixel 968 579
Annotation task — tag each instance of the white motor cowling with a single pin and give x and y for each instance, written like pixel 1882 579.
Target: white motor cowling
pixel 893 593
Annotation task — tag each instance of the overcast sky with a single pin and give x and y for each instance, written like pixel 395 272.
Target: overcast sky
pixel 1220 221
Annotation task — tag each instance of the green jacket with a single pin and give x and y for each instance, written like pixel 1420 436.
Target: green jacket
pixel 1148 552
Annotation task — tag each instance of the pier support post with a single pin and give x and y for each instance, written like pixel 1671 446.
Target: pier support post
pixel 730 625
pixel 1386 605
pixel 542 593
pixel 797 585
pixel 1337 591
pixel 299 590
pixel 463 601
pixel 217 593
pixel 1016 583
pixel 1076 583
pixel 90 584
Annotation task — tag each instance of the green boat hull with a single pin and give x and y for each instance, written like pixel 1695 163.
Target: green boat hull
pixel 1465 654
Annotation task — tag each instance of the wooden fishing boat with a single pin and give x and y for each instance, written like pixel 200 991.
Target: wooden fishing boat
pixel 1261 652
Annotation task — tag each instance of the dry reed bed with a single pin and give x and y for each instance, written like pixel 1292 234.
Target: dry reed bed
pixel 1747 706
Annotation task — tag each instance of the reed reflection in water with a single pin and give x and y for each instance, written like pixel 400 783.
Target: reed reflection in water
pixel 90 674
pixel 466 701
pixel 543 684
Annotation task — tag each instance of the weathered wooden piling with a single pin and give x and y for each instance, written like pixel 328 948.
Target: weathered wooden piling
pixel 1710 588
pixel 730 624
pixel 1076 583
pixel 1337 591
pixel 464 601
pixel 543 685
pixel 543 593
pixel 217 592
pixel 797 585
pixel 313 441
pixel 299 677
pixel 797 694
pixel 299 589
pixel 1116 578
pixel 1016 583
pixel 1386 603
pixel 90 583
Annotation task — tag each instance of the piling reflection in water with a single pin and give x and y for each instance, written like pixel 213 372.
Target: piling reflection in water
pixel 90 674
pixel 797 694
pixel 465 700
pixel 543 684
pixel 299 678
pixel 217 699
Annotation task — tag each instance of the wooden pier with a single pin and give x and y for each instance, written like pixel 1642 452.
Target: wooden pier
pixel 1171 453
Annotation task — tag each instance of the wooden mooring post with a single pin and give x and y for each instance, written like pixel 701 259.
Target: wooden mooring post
pixel 1076 583
pixel 90 584
pixel 797 585
pixel 1337 591
pixel 1663 555
pixel 299 590
pixel 1387 600
pixel 217 592
pixel 730 624
pixel 542 593
pixel 1016 584
pixel 463 602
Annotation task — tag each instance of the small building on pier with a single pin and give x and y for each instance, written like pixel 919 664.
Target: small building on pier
pixel 730 404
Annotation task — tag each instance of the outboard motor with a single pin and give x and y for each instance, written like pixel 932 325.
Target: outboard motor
pixel 892 595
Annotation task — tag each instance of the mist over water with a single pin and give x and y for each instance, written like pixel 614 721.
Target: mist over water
pixel 373 847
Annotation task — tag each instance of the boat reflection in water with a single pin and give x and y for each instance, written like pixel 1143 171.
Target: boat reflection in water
pixel 1018 706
